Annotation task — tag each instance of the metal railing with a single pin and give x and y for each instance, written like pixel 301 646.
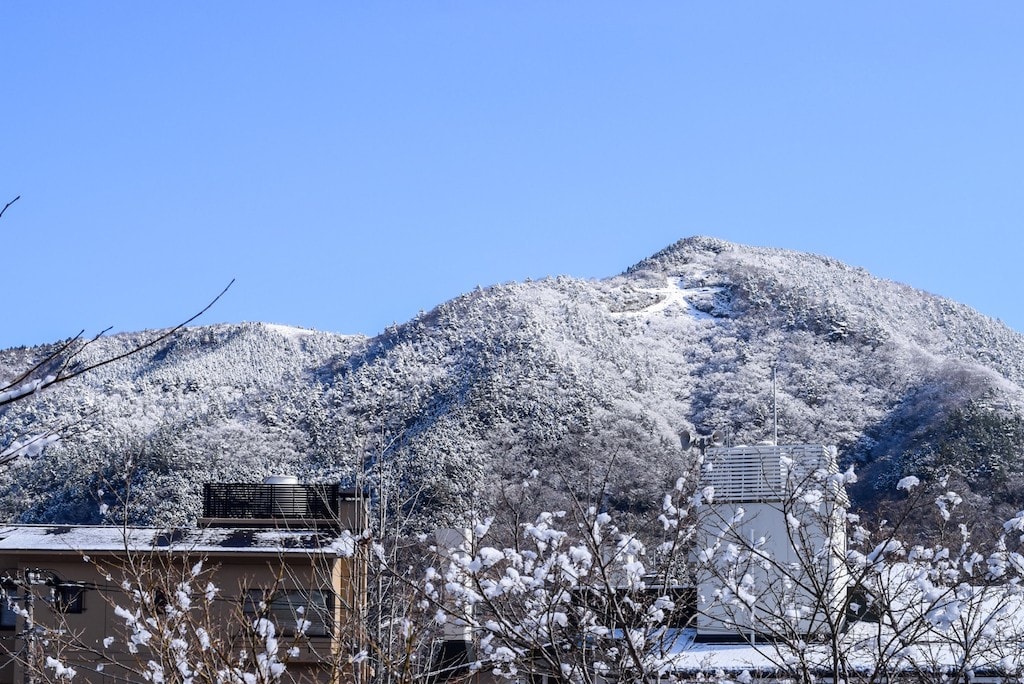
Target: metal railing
pixel 243 501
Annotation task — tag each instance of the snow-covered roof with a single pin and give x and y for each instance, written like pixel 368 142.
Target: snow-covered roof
pixel 937 650
pixel 685 654
pixel 210 540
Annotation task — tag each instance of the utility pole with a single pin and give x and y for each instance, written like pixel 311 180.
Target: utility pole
pixel 32 578
pixel 26 581
pixel 30 627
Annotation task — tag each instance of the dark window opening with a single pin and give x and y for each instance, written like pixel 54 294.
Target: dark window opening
pixel 8 610
pixel 69 599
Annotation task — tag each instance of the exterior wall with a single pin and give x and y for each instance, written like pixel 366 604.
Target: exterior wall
pixel 782 572
pixel 795 579
pixel 80 637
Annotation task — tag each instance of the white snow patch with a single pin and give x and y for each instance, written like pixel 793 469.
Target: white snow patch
pixel 289 331
pixel 675 295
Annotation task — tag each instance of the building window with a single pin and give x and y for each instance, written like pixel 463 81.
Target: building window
pixel 292 612
pixel 8 610
pixel 68 599
pixel 160 601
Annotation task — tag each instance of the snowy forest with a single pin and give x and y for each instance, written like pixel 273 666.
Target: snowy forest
pixel 534 460
pixel 589 382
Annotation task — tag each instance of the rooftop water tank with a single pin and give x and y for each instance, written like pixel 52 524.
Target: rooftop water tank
pixel 288 499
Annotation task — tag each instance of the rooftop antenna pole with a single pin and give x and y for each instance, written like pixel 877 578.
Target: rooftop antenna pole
pixel 775 402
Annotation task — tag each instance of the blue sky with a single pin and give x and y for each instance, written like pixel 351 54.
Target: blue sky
pixel 353 163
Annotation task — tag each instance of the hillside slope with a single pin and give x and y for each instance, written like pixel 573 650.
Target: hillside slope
pixel 581 380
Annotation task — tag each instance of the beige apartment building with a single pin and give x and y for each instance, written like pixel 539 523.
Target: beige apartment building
pixel 271 582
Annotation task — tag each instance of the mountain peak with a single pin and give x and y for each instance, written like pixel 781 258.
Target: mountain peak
pixel 684 251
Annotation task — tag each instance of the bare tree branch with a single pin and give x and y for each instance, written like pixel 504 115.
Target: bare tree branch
pixel 25 384
pixel 9 204
pixel 138 348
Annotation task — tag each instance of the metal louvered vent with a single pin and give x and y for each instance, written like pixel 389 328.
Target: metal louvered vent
pixel 762 473
pixel 243 501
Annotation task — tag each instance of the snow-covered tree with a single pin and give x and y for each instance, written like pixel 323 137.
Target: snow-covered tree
pixel 574 597
pixel 850 599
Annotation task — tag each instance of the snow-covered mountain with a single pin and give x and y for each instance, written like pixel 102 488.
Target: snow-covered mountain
pixel 582 380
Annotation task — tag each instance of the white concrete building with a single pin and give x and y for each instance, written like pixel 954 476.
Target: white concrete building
pixel 771 543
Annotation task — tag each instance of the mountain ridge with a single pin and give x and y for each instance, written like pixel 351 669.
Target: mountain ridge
pixel 562 375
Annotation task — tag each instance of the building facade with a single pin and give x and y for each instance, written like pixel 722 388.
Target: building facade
pixel 271 583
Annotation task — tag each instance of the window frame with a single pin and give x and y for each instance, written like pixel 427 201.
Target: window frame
pixel 69 599
pixel 286 606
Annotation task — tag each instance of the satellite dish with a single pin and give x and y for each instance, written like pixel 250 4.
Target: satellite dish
pixel 686 439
